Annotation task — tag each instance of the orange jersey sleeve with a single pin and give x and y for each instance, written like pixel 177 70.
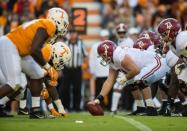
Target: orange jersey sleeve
pixel 47 52
pixel 23 36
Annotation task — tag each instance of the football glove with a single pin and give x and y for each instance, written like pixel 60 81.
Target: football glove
pixel 44 94
pixel 121 80
pixel 52 73
pixel 179 68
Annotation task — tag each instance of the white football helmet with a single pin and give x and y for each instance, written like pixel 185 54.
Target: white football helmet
pixel 61 55
pixel 60 18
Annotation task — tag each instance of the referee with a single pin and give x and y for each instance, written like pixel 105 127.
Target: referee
pixel 72 73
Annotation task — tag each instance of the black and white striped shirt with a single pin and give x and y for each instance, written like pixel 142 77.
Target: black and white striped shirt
pixel 78 52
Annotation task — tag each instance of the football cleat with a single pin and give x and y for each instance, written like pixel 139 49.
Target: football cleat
pixel 23 111
pixel 150 111
pixel 139 111
pixel 163 108
pixel 36 113
pixel 3 113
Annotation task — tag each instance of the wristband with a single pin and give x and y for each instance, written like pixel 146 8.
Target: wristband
pixel 99 99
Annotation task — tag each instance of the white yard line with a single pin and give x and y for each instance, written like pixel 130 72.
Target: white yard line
pixel 135 123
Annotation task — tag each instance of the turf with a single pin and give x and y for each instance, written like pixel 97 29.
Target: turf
pixel 90 123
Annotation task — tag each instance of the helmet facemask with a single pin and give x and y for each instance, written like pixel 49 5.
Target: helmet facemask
pixel 105 60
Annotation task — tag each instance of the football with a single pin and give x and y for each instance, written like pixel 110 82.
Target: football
pixel 95 110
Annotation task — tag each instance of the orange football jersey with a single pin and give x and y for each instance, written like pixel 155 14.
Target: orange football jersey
pixel 47 52
pixel 23 36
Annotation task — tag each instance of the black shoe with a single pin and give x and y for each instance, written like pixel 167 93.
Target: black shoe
pixel 163 108
pixel 150 111
pixel 23 111
pixel 3 113
pixel 179 112
pixel 139 110
pixel 184 113
pixel 167 109
pixel 36 113
pixel 114 112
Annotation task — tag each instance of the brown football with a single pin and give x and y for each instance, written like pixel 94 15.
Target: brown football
pixel 95 110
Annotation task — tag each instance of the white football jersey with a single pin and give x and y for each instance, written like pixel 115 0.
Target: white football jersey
pixel 140 57
pixel 151 48
pixel 181 43
pixel 171 58
pixel 126 42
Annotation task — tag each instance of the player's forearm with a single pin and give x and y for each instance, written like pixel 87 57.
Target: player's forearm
pixel 106 88
pixel 38 41
pixel 92 87
pixel 37 56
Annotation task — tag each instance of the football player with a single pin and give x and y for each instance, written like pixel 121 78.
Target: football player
pixel 122 41
pixel 142 68
pixel 20 50
pixel 175 47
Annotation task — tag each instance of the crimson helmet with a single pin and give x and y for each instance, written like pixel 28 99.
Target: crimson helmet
pixel 152 36
pixel 142 43
pixel 121 28
pixel 105 51
pixel 168 29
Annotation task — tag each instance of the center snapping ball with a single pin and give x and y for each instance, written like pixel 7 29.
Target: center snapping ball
pixel 95 110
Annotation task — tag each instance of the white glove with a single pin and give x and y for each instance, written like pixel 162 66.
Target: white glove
pixel 121 80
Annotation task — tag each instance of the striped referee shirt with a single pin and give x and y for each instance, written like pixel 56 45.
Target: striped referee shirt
pixel 78 52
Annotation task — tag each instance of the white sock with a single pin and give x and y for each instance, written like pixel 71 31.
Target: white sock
pixel 115 100
pixel 22 104
pixel 50 106
pixel 149 102
pixel 60 107
pixel 164 100
pixel 134 107
pixel 4 100
pixel 176 100
pixel 35 102
pixel 140 103
pixel 156 102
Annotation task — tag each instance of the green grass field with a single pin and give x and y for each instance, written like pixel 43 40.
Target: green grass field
pixel 90 123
